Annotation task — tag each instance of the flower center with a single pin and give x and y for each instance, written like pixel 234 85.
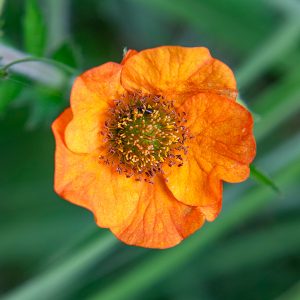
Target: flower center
pixel 142 133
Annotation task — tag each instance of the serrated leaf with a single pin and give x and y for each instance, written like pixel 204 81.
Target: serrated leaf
pixel 34 29
pixel 261 177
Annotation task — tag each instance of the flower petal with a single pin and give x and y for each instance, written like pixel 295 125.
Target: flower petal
pixel 214 77
pixel 191 185
pixel 82 180
pixel 128 54
pixel 142 214
pixel 160 221
pixel 91 95
pixel 173 71
pixel 223 131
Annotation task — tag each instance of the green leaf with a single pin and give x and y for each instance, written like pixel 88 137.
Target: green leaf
pixel 66 54
pixel 261 177
pixel 9 90
pixel 46 104
pixel 35 33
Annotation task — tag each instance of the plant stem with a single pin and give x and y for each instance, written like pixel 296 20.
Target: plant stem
pixel 58 64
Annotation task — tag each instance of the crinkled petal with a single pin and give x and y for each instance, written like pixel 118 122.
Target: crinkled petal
pixel 159 221
pixel 223 136
pixel 192 185
pixel 176 72
pixel 138 213
pixel 82 180
pixel 214 77
pixel 91 96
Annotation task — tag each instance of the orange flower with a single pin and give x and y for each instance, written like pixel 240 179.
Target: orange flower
pixel 147 143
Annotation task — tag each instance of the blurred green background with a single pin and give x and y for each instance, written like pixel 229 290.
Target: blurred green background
pixel 50 249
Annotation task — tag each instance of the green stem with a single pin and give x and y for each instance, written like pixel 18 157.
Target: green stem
pixel 58 64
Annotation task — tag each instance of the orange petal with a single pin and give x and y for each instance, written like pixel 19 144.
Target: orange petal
pixel 91 94
pixel 215 77
pixel 127 55
pixel 173 71
pixel 191 185
pixel 160 221
pixel 82 180
pixel 138 213
pixel 223 131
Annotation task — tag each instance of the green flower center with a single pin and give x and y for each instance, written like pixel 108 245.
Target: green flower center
pixel 142 133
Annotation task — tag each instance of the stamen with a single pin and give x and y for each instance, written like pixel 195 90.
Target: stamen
pixel 142 133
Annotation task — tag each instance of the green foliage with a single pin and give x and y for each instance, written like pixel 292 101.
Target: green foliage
pixel 67 54
pixel 9 90
pixel 35 33
pixel 53 250
pixel 292 294
pixel 263 178
pixel 202 15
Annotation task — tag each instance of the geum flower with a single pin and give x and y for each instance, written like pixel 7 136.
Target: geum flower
pixel 147 143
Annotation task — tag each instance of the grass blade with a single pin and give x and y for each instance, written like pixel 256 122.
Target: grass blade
pixel 277 46
pixel 292 294
pixel 261 177
pixel 54 280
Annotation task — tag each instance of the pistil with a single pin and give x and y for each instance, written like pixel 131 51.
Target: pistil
pixel 142 133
